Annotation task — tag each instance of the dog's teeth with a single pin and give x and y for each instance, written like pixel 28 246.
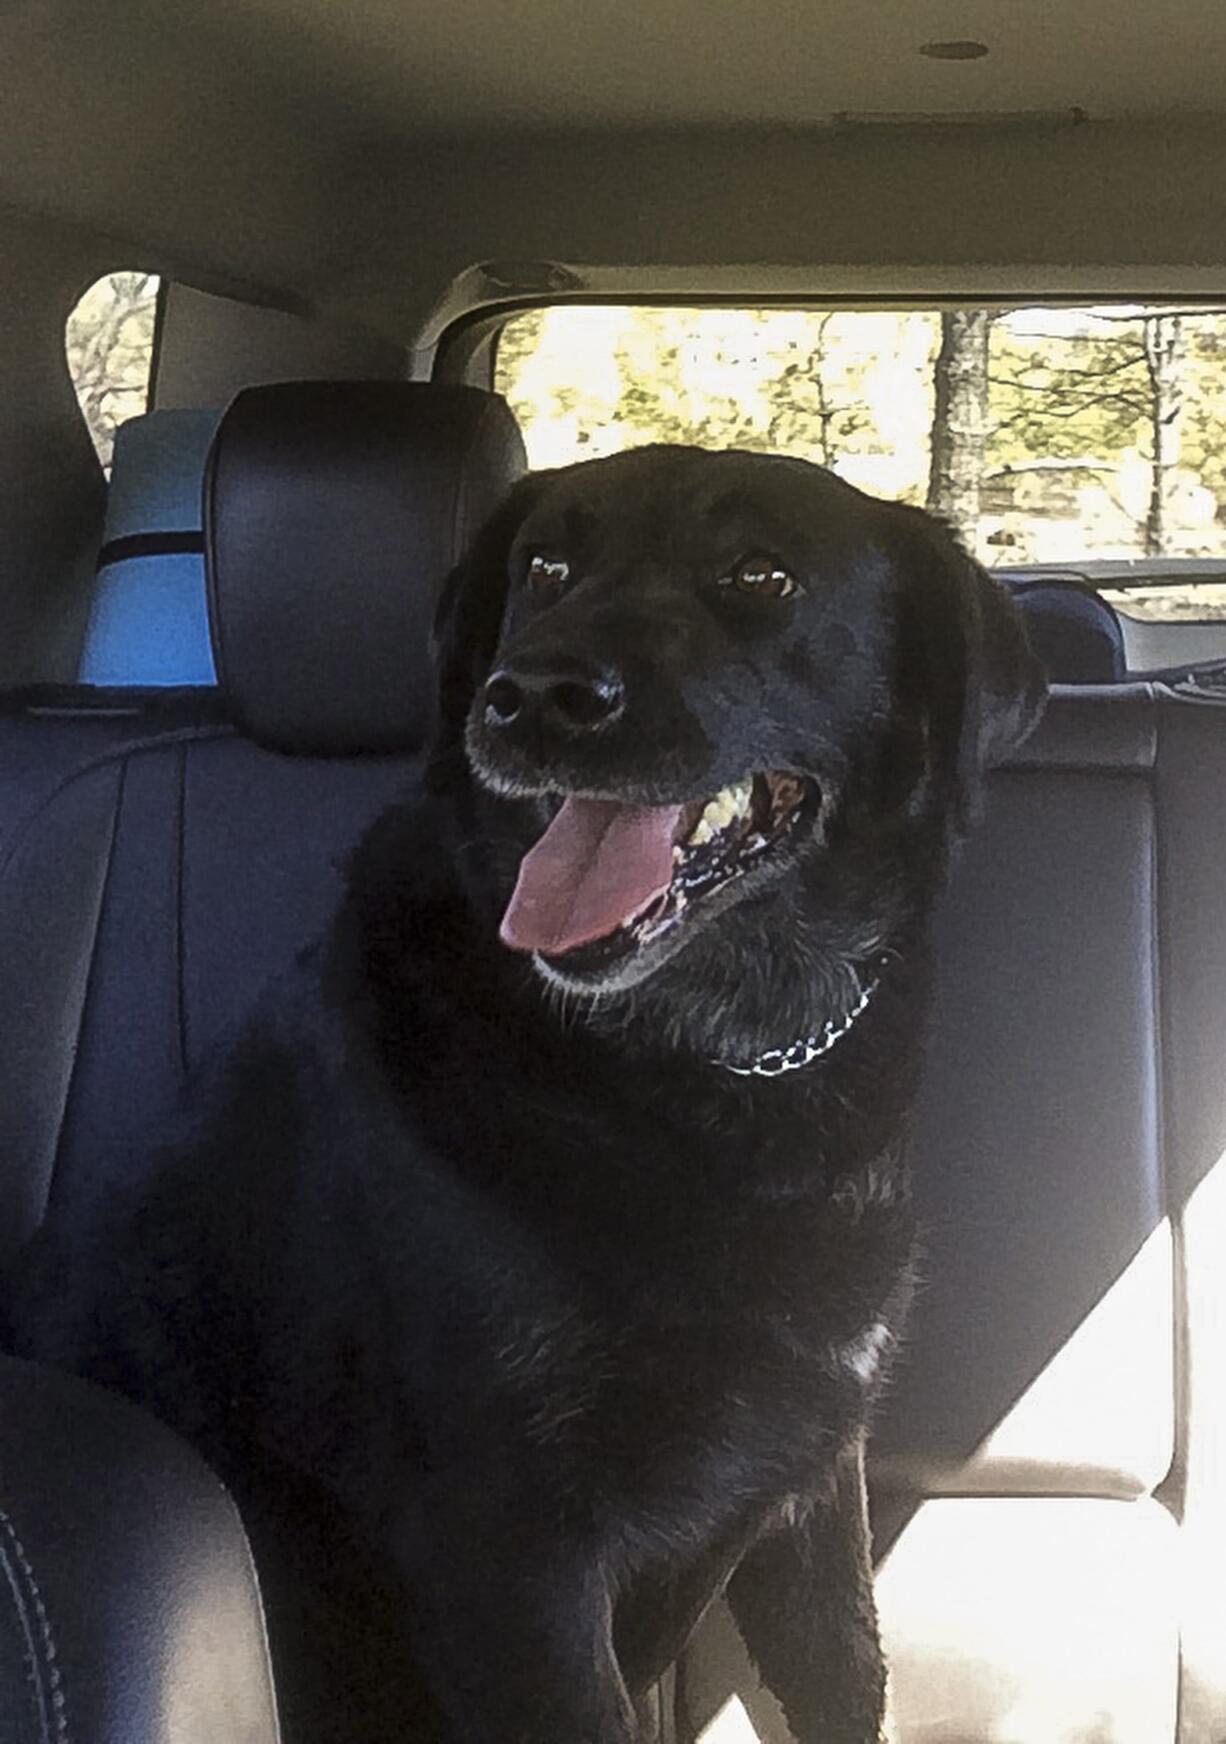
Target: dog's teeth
pixel 730 805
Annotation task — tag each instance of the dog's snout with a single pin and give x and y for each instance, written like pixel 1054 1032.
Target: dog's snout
pixel 568 697
pixel 504 699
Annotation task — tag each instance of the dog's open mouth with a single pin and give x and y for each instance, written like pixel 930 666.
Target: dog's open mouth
pixel 608 877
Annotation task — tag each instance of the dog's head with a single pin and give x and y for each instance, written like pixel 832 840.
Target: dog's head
pixel 712 676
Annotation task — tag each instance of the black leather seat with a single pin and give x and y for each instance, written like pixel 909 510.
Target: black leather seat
pixel 157 868
pixel 129 1612
pixel 159 861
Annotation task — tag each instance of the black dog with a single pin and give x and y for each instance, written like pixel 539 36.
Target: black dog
pixel 529 1293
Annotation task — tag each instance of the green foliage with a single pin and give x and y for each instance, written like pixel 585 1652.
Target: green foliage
pixel 813 383
pixel 1204 416
pixel 1066 395
pixel 853 390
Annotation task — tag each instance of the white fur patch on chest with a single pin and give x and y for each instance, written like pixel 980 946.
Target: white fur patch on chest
pixel 863 1355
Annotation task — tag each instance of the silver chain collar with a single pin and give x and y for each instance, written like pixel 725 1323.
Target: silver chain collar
pixel 776 1061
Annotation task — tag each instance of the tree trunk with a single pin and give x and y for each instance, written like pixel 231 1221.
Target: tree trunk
pixel 960 421
pixel 1164 356
pixel 826 414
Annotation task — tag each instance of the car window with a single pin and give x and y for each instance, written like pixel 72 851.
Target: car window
pixel 109 345
pixel 1088 439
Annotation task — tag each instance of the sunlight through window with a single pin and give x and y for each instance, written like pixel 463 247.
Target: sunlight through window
pixel 1088 435
pixel 1109 1423
pixel 1033 1621
pixel 1204 1531
pixel 731 1725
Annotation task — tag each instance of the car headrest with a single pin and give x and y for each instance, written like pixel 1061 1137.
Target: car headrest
pixel 333 511
pixel 1074 632
pixel 148 621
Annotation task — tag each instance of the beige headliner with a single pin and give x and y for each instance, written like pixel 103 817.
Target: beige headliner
pixel 314 144
pixel 528 63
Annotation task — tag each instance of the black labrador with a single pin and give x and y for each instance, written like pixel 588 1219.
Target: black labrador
pixel 530 1265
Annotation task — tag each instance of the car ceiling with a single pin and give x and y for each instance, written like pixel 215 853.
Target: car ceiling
pixel 685 62
pixel 241 137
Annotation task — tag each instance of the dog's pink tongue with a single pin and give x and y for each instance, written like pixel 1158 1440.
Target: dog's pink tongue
pixel 597 865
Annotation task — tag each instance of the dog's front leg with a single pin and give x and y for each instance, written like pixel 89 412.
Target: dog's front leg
pixel 803 1600
pixel 516 1638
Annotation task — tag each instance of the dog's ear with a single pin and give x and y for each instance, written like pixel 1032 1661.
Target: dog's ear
pixel 468 619
pixel 965 667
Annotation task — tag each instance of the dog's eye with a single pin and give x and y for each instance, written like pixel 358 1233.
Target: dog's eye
pixel 764 577
pixel 547 575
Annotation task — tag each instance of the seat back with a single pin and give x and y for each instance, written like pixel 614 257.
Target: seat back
pixel 1029 1469
pixel 161 860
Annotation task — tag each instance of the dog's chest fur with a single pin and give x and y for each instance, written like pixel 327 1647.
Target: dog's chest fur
pixel 650 1264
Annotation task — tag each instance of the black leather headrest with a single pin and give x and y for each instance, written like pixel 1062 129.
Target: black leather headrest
pixel 1074 631
pixel 332 513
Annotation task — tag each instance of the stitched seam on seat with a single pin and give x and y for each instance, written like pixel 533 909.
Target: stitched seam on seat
pixel 133 747
pixel 45 1675
pixel 180 947
pixel 87 994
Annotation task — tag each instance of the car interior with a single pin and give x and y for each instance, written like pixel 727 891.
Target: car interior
pixel 344 234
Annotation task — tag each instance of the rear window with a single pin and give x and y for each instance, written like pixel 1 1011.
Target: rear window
pixel 1087 440
pixel 109 346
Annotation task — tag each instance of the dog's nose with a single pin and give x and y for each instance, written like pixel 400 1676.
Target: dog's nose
pixel 571 699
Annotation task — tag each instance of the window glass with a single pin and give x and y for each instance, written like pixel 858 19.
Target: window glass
pixel 109 344
pixel 1090 440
